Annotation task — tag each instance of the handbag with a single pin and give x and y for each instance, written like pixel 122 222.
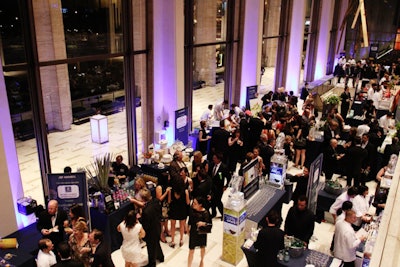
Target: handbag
pixel 202 230
pixel 300 142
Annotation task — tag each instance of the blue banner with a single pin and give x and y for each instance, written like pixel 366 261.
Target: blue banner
pixel 68 189
pixel 251 93
pixel 181 125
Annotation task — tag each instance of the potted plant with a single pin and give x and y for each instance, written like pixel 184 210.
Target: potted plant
pixel 332 100
pixel 99 171
pixel 330 103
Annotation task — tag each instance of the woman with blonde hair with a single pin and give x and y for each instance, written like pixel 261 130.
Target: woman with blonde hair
pixel 80 245
pixel 136 199
pixel 198 163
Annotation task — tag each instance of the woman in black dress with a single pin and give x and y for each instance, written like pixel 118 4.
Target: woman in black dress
pixel 203 138
pixel 200 224
pixel 345 105
pixel 178 200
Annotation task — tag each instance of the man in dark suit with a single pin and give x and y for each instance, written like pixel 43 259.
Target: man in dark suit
pixel 102 253
pixel 331 130
pixel 204 187
pixel 370 162
pixel 51 223
pixel 151 218
pixel 331 159
pixel 219 141
pixel 266 152
pixel 355 156
pixel 219 172
pixel 64 251
pixel 256 126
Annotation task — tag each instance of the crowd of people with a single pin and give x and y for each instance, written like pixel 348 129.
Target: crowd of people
pixel 66 240
pixel 192 198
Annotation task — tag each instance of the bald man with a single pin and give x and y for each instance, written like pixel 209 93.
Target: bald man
pixel 51 223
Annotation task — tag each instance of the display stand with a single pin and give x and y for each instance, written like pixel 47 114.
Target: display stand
pixel 233 236
pixel 99 129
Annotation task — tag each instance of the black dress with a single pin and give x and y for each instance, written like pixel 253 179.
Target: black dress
pixel 202 145
pixel 178 207
pixel 196 239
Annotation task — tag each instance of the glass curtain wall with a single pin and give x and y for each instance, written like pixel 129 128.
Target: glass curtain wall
pixel 272 14
pixel 81 72
pixel 209 47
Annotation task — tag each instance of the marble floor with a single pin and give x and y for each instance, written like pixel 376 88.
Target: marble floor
pixel 75 148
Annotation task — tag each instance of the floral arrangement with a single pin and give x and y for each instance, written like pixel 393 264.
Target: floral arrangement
pixel 147 155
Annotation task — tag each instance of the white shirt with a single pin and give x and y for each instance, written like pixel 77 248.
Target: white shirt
pixel 386 123
pixel 362 129
pixel 338 202
pixel 345 242
pixel 376 98
pixel 45 259
pixel 341 217
pixel 219 111
pixel 370 93
pixel 206 115
pixel 360 206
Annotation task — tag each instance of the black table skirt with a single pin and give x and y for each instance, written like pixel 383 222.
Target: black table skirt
pixel 27 250
pixel 107 223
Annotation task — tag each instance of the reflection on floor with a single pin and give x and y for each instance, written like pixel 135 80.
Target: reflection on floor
pixel 75 148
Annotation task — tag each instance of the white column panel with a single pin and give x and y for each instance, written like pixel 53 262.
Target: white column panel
pixel 252 45
pixel 168 63
pixel 11 185
pixel 296 36
pixel 325 26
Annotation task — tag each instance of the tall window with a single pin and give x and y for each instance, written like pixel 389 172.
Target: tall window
pixel 81 55
pixel 272 14
pixel 209 48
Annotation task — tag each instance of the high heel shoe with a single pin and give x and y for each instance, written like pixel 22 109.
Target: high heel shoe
pixel 181 243
pixel 171 244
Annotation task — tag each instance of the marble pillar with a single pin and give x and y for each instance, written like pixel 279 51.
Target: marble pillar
pixel 54 79
pixel 204 30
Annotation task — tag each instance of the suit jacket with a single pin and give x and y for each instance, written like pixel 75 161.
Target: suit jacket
pixel 102 256
pixel 219 141
pixel 218 181
pixel 69 263
pixel 330 160
pixel 151 218
pixel 355 157
pixel 44 222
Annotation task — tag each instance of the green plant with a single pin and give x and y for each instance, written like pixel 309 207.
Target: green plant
pixel 332 99
pixel 99 171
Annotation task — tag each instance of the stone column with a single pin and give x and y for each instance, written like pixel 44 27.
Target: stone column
pixel 205 31
pixel 168 61
pixel 271 28
pixel 295 50
pixel 252 43
pixel 325 25
pixel 51 46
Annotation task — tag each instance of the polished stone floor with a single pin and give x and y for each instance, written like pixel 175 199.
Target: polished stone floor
pixel 75 148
